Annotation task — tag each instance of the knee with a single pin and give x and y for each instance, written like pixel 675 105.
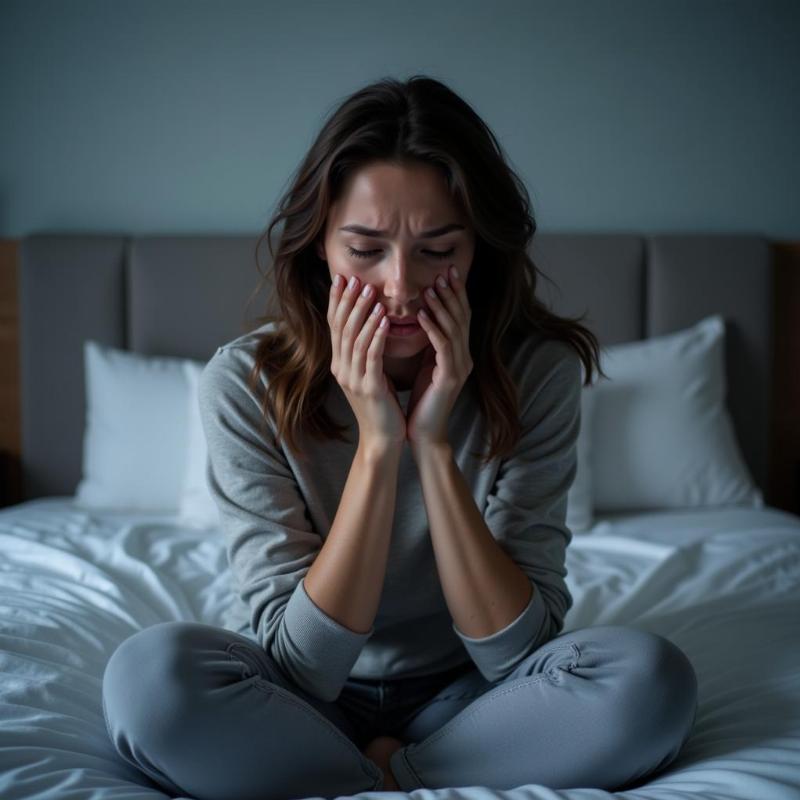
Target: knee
pixel 145 679
pixel 661 687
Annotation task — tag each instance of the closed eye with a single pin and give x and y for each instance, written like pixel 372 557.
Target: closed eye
pixel 369 253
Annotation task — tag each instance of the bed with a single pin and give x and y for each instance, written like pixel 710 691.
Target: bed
pixel 698 557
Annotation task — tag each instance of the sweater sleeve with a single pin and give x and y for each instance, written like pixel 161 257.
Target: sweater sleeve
pixel 269 537
pixel 526 508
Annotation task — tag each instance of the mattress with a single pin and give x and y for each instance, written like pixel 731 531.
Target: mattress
pixel 723 584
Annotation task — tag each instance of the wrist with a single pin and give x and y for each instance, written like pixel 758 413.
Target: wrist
pixel 379 449
pixel 431 448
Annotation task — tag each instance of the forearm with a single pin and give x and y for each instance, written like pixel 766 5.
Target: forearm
pixel 346 578
pixel 484 589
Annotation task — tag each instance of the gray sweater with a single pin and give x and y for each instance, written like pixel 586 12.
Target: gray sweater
pixel 276 511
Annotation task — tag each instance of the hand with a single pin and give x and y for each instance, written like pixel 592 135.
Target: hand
pixel 446 364
pixel 357 345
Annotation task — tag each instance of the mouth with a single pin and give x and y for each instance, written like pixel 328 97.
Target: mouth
pixel 406 329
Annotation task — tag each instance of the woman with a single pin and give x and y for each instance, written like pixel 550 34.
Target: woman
pixel 398 610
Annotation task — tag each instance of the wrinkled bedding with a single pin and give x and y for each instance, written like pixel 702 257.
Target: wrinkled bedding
pixel 723 584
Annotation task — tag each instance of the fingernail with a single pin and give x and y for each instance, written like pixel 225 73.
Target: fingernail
pixel 352 284
pixel 455 272
pixel 441 282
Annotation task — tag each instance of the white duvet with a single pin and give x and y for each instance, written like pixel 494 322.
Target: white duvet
pixel 722 584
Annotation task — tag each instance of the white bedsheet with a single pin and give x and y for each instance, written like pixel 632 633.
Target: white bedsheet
pixel 722 584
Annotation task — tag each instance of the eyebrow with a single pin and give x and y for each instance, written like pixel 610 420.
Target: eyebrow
pixel 431 234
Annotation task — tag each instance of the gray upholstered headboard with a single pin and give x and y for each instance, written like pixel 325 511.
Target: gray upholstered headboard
pixel 185 295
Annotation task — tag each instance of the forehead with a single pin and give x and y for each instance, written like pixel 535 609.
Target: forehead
pixel 382 195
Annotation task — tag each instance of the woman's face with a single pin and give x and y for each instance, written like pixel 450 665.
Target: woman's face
pixel 400 263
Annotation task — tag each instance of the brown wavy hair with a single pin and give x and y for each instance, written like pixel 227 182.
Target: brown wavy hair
pixel 419 120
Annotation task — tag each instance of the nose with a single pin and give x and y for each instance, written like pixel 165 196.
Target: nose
pixel 399 282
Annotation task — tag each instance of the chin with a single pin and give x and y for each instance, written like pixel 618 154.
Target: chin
pixel 407 343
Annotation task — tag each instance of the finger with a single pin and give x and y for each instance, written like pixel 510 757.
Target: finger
pixel 375 352
pixel 460 292
pixel 352 329
pixel 445 354
pixel 440 314
pixel 447 297
pixel 337 287
pixel 438 339
pixel 343 312
pixel 449 316
pixel 364 339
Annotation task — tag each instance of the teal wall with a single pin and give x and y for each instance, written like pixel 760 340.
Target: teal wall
pixel 154 116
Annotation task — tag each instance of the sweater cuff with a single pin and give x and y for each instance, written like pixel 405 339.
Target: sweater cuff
pixel 320 652
pixel 496 656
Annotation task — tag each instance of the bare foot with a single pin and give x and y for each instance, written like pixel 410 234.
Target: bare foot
pixel 380 750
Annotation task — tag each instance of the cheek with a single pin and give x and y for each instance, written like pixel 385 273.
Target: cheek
pixel 340 266
pixel 337 261
pixel 463 261
pixel 463 268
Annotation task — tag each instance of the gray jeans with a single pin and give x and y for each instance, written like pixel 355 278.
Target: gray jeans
pixel 204 712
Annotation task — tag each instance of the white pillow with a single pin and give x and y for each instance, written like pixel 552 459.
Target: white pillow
pixel 580 499
pixel 134 444
pixel 197 507
pixel 662 436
